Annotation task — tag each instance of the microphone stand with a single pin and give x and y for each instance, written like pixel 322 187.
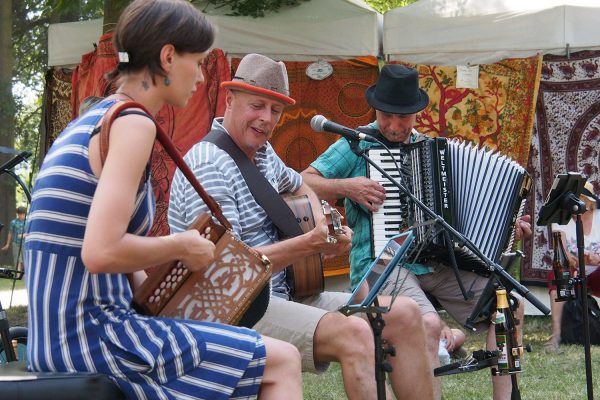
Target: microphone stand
pixel 449 232
pixel 582 281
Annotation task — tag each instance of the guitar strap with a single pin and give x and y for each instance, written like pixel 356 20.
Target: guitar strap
pixel 262 191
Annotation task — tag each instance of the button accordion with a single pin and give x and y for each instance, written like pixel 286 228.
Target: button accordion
pixel 479 192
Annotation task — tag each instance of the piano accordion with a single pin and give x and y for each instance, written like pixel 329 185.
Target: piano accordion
pixel 477 191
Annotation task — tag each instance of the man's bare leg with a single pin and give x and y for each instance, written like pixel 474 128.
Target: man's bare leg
pixel 412 374
pixel 349 341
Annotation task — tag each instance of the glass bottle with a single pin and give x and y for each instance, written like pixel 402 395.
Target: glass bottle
pixel 562 269
pixel 509 352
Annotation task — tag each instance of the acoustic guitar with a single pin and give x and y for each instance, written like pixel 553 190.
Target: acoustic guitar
pixel 305 277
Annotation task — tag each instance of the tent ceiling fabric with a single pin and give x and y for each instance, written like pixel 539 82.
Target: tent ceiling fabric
pixel 343 28
pixel 313 29
pixel 68 41
pixel 451 32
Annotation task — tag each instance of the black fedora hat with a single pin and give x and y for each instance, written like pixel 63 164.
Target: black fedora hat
pixel 397 91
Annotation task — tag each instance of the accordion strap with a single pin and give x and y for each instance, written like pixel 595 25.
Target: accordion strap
pixel 166 142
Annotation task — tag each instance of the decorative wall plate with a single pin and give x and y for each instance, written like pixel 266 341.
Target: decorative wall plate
pixel 319 70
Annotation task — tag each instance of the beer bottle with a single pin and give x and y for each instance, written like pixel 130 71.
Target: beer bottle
pixel 562 269
pixel 509 352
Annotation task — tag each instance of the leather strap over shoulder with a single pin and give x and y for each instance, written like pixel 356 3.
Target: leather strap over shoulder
pixel 169 147
pixel 111 114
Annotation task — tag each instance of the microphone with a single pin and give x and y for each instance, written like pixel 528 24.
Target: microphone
pixel 19 158
pixel 321 124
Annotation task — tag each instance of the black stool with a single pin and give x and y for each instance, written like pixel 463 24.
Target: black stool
pixel 19 384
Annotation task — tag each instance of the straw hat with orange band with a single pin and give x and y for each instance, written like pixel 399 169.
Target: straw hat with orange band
pixel 260 75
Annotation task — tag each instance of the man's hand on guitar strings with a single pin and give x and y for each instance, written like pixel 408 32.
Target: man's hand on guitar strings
pixel 342 244
pixel 320 239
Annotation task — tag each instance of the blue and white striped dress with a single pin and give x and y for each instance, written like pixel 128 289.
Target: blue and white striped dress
pixel 80 321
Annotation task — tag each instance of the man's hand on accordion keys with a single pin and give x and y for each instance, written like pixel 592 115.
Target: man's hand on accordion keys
pixel 366 192
pixel 197 251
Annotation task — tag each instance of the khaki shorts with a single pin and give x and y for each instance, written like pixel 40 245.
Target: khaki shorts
pixel 441 284
pixel 296 323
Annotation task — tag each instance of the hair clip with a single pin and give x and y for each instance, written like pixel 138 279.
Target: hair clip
pixel 123 57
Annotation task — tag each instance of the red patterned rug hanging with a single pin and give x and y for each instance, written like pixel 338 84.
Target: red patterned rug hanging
pixel 566 138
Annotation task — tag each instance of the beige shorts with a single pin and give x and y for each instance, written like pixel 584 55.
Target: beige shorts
pixel 296 323
pixel 441 284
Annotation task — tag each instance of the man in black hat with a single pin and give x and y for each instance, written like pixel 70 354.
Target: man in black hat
pixel 339 173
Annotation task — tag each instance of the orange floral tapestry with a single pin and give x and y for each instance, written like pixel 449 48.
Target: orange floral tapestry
pixel 498 114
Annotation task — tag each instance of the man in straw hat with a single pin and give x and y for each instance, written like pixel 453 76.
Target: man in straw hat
pixel 590 221
pixel 340 174
pixel 256 98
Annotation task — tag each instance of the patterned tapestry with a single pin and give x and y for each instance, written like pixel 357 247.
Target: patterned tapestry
pixel 57 104
pixel 340 98
pixel 565 138
pixel 498 114
pixel 185 126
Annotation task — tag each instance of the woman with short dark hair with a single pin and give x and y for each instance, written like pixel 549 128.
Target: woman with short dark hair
pixel 87 231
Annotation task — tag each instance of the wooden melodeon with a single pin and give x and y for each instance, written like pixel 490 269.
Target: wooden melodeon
pixel 223 292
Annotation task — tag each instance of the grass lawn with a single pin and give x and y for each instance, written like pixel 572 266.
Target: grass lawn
pixel 7 284
pixel 546 375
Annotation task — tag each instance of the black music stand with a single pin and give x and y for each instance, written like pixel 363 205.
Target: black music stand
pixel 561 204
pixel 378 272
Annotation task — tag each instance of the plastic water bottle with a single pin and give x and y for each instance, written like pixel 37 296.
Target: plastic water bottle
pixel 443 353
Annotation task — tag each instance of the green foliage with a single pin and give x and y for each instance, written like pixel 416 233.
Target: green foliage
pixel 385 5
pixel 260 8
pixel 31 19
pixel 253 8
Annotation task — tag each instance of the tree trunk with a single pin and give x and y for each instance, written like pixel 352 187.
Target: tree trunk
pixel 112 11
pixel 7 117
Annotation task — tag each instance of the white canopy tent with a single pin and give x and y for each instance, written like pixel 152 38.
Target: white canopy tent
pixel 68 41
pixel 315 29
pixel 457 32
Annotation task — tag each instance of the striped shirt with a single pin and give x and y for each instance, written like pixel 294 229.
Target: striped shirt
pixel 83 322
pixel 222 179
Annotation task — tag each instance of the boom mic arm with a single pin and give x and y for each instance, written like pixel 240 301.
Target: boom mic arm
pixel 16 160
